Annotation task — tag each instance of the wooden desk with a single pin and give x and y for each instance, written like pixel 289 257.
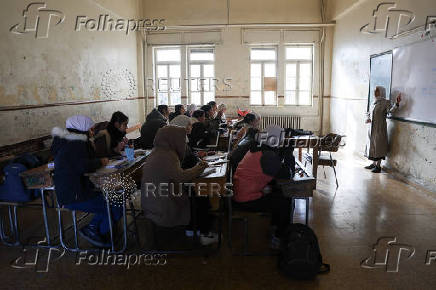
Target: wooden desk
pixel 38 177
pixel 218 177
pixel 298 186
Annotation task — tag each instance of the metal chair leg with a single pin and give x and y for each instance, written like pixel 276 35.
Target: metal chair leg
pixel 44 215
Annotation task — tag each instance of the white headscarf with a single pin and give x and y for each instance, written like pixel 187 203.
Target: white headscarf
pixel 272 136
pixel 80 123
pixel 191 109
pixel 182 121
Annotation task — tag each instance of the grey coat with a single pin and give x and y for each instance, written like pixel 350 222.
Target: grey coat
pixel 167 205
pixel 378 134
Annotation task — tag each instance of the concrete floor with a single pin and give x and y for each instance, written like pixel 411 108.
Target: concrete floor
pixel 348 223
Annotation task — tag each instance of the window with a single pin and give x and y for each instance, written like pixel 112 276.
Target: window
pixel 298 75
pixel 168 75
pixel 263 76
pixel 201 72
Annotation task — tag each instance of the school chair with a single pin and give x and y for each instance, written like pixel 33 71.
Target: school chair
pixel 328 144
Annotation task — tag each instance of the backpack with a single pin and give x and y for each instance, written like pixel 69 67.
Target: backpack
pixel 13 189
pixel 300 256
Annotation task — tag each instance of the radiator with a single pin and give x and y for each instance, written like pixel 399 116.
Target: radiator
pixel 293 122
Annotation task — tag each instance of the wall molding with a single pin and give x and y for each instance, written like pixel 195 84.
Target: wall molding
pixel 30 107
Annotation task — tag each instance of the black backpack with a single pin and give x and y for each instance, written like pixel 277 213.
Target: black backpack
pixel 300 256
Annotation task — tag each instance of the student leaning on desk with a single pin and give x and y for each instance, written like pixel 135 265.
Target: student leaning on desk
pixel 74 156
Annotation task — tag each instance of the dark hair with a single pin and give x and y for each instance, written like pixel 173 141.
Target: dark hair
pixel 212 103
pixel 198 113
pixel 119 117
pixel 206 109
pixel 249 118
pixel 178 108
pixel 162 108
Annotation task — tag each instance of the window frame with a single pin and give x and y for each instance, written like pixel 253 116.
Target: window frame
pixel 168 78
pixel 262 65
pixel 298 62
pixel 202 63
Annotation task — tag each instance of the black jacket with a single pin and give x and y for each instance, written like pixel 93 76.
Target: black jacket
pixel 199 136
pixel 74 156
pixel 153 122
pixel 277 162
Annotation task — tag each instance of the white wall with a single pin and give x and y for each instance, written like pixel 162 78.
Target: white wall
pixel 68 66
pixel 412 146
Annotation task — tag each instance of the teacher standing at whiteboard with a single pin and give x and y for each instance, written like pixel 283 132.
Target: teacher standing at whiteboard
pixel 378 135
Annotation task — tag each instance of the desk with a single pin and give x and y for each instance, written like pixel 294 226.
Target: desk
pixel 214 181
pixel 301 142
pixel 38 177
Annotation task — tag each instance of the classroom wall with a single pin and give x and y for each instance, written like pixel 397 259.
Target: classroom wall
pixel 232 54
pixel 86 69
pixel 412 150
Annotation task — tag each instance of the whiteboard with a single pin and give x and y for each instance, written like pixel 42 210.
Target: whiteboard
pixel 414 76
pixel 380 74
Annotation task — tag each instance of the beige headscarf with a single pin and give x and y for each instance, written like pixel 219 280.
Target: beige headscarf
pixel 171 138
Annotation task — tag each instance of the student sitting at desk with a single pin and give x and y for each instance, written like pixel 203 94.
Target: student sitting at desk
pixel 153 122
pixel 242 147
pixel 256 170
pixel 212 124
pixel 250 121
pixel 112 140
pixel 74 156
pixel 163 199
pixel 199 136
pixel 202 202
pixel 178 110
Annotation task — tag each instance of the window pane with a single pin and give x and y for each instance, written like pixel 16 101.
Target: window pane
pixel 175 84
pixel 209 96
pixel 291 70
pixel 256 70
pixel 304 98
pixel 170 54
pixel 263 54
pixel 195 71
pixel 174 71
pixel 256 84
pixel 204 84
pixel 291 84
pixel 162 84
pixel 256 98
pixel 306 70
pixel 290 98
pixel 175 98
pixel 269 70
pixel 305 84
pixel 162 99
pixel 300 53
pixel 196 98
pixel 208 70
pixel 270 97
pixel 195 85
pixel 202 54
pixel 162 71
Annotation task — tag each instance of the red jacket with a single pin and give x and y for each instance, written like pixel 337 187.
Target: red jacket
pixel 249 179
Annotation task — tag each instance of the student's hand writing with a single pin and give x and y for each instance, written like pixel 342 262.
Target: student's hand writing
pixel 104 161
pixel 203 164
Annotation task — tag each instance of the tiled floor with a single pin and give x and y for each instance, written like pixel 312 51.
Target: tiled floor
pixel 348 223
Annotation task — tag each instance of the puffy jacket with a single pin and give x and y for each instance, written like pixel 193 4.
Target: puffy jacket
pixel 74 156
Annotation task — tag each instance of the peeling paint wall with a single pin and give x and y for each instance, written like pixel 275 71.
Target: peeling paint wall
pixel 68 66
pixel 412 146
